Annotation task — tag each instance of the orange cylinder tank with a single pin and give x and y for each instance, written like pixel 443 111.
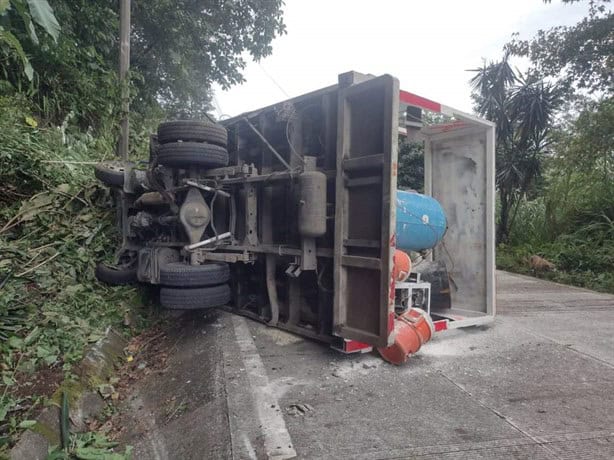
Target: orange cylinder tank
pixel 412 329
pixel 401 265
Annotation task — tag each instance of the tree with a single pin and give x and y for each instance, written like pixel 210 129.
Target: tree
pixel 590 141
pixel 581 175
pixel 179 49
pixel 523 107
pixel 23 15
pixel 579 56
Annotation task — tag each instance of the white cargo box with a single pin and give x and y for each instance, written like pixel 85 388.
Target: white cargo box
pixel 459 171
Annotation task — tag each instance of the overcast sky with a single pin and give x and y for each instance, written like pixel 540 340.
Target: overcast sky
pixel 428 45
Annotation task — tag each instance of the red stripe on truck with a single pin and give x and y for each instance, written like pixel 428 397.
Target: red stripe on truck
pixel 419 101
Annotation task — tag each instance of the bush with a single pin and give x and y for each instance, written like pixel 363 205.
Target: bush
pixel 56 222
pixel 571 223
pixel 530 223
pixel 584 257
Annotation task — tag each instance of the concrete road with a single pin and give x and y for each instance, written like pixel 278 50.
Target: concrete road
pixel 539 383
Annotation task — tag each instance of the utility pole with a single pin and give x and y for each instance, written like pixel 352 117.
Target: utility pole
pixel 124 65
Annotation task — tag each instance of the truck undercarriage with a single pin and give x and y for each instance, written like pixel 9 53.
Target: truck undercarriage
pixel 288 215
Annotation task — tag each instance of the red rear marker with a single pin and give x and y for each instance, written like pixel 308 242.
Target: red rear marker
pixel 419 101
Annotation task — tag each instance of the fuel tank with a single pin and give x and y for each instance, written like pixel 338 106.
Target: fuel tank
pixel 421 221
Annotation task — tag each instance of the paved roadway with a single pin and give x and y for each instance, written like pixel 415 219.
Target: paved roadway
pixel 539 384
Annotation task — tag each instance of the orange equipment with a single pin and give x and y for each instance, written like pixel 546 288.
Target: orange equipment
pixel 402 266
pixel 412 329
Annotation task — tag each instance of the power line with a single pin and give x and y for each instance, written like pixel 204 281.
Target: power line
pixel 270 77
pixel 216 105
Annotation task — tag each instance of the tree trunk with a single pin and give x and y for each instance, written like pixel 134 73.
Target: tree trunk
pixel 502 225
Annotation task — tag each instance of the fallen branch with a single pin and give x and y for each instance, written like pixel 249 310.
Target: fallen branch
pixel 11 223
pixel 37 266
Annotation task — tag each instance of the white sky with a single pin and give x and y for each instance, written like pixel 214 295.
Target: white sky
pixel 427 45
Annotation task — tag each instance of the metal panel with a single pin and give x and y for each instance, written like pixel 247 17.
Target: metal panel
pixel 366 147
pixel 460 175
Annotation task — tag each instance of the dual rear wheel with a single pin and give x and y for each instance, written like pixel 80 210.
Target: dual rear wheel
pixel 181 144
pixel 186 143
pixel 183 286
pixel 188 287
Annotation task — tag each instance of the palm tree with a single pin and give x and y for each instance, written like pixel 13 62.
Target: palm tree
pixel 523 108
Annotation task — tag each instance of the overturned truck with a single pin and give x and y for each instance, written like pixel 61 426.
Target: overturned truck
pixel 290 215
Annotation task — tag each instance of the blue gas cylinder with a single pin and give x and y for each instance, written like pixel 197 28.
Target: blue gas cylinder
pixel 421 221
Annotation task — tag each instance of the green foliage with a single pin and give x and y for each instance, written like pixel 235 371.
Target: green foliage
pixel 181 47
pixel 572 222
pixel 569 220
pixel 580 56
pixel 15 50
pixel 580 178
pixel 55 223
pixel 523 108
pixel 577 264
pixel 530 225
pixel 43 15
pixel 75 78
pixel 587 144
pixel 89 446
pixel 410 172
pixel 30 12
pixel 178 50
pixel 83 446
pixel 25 149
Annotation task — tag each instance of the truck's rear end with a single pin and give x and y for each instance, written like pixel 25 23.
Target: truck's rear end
pixel 338 285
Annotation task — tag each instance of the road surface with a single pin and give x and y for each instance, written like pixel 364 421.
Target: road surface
pixel 538 383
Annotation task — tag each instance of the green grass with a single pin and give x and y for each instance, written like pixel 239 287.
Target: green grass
pixel 56 222
pixel 572 227
pixel 577 265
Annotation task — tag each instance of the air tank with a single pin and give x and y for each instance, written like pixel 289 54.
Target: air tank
pixel 312 204
pixel 421 221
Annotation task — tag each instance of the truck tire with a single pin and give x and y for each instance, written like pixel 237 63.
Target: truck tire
pixel 194 298
pixel 192 131
pixel 185 275
pixel 110 173
pixel 186 154
pixel 115 276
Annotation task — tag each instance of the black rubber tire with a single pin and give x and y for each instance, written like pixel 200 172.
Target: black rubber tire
pixel 185 275
pixel 110 173
pixel 115 276
pixel 186 154
pixel 192 131
pixel 194 298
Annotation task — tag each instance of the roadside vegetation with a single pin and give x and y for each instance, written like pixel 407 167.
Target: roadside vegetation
pixel 55 223
pixel 570 218
pixel 59 114
pixel 555 150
